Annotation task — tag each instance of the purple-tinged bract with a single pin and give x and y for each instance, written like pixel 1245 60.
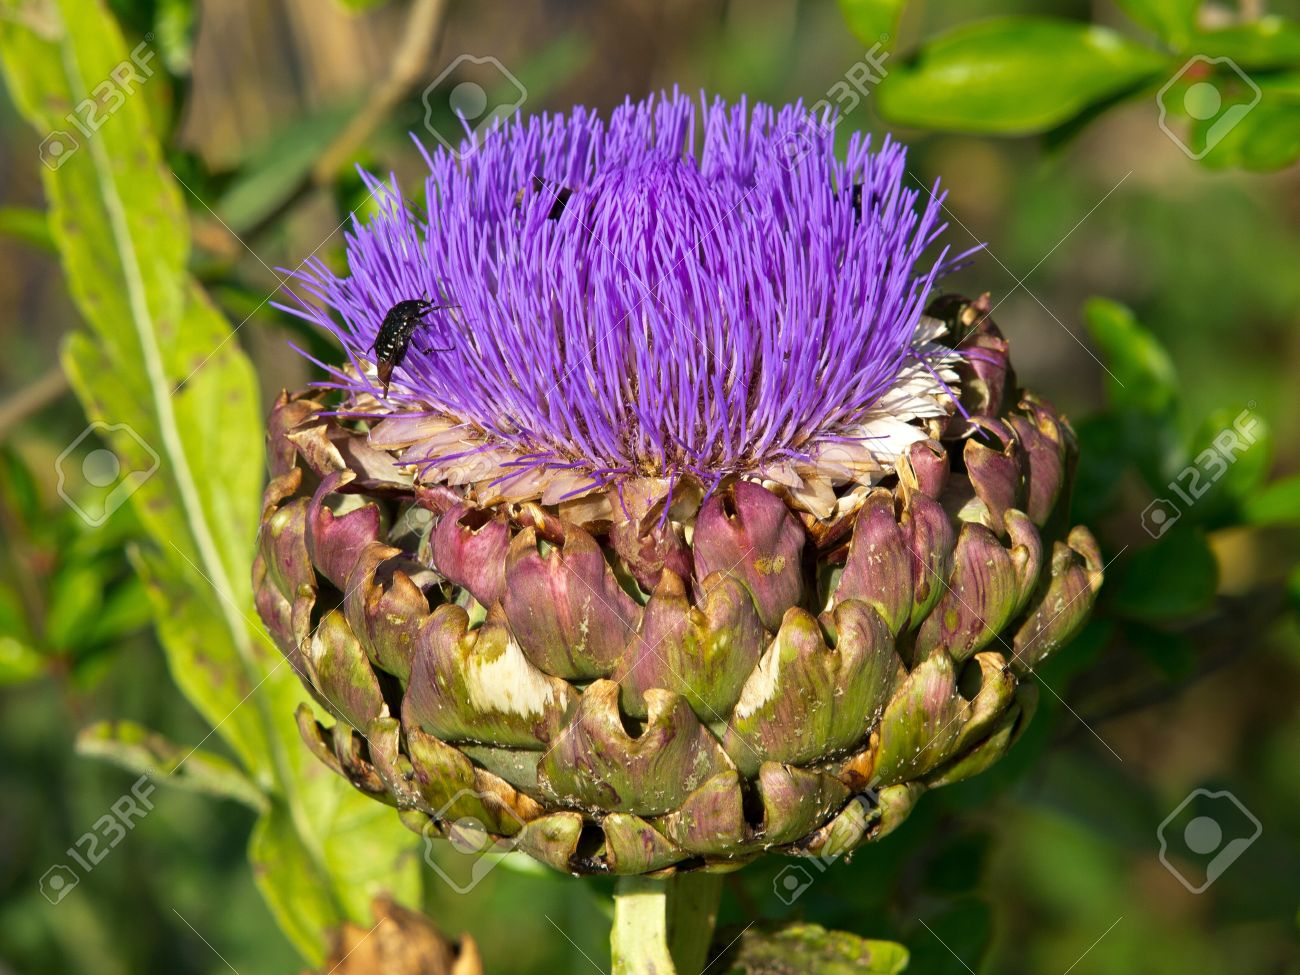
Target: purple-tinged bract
pixel 710 535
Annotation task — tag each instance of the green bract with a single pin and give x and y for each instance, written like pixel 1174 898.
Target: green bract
pixel 613 689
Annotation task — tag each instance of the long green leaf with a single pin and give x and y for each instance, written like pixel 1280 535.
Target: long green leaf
pixel 1013 75
pixel 161 369
pixel 136 748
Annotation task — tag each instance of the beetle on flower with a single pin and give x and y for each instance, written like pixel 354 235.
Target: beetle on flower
pixel 733 522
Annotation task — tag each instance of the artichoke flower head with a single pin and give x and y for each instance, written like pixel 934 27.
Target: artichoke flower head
pixel 688 524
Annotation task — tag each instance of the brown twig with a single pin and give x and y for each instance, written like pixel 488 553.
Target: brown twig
pixel 1219 638
pixel 419 36
pixel 408 66
pixel 30 399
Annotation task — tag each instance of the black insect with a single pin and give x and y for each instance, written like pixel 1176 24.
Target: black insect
pixel 394 337
pixel 559 195
pixel 855 201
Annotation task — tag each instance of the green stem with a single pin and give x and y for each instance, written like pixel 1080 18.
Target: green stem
pixel 664 927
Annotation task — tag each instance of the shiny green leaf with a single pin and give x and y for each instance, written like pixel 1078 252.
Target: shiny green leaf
pixel 1141 389
pixel 286 876
pixel 174 25
pixel 1232 452
pixel 1013 75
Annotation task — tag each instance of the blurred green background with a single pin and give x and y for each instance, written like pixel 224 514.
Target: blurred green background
pixel 1189 678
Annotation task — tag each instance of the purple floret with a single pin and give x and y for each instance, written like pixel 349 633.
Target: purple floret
pixel 707 300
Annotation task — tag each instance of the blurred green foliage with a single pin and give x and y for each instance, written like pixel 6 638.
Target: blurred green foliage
pixel 1187 678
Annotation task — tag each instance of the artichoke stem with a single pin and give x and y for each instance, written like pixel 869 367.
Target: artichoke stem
pixel 664 927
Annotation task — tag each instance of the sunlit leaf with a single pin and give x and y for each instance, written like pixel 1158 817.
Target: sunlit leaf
pixel 179 406
pixel 1013 75
pixel 1232 453
pixel 359 6
pixel 1143 374
pixel 285 873
pixel 173 29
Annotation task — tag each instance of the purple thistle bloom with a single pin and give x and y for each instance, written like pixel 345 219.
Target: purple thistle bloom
pixel 688 290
